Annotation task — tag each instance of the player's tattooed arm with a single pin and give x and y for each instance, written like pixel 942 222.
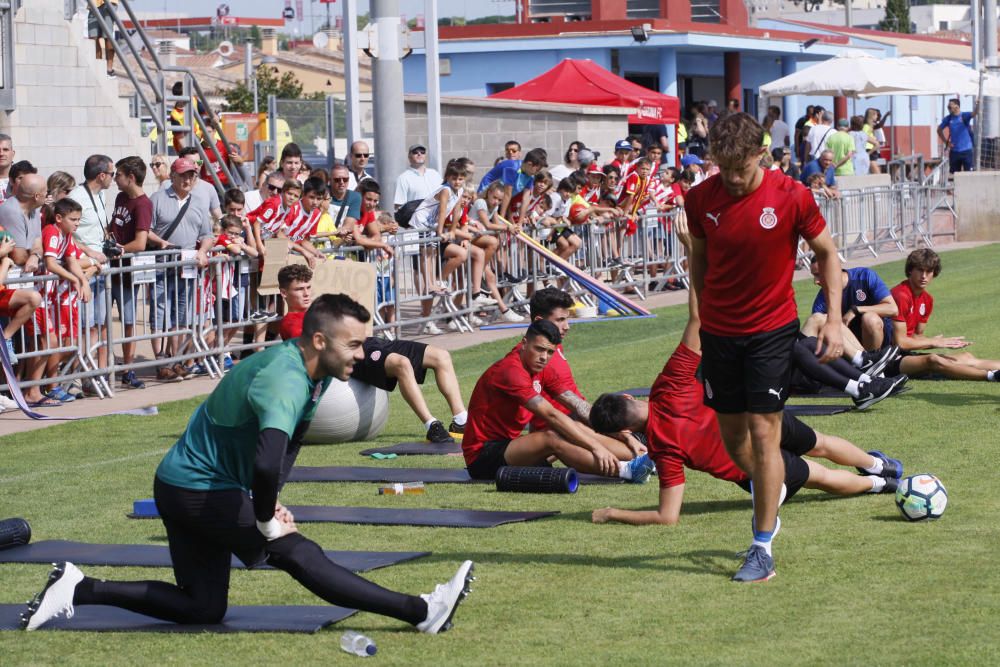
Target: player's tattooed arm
pixel 579 407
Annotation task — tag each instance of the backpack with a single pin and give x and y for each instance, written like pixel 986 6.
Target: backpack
pixel 405 212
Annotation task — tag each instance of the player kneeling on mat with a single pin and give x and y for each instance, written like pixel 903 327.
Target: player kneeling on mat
pixel 243 440
pixel 681 431
pixel 504 401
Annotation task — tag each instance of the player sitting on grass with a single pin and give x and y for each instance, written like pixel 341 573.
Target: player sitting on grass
pixel 915 305
pixel 682 432
pixel 502 404
pixel 866 388
pixel 386 362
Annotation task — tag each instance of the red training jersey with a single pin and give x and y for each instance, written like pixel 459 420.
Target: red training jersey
pixel 556 379
pixel 496 409
pixel 913 309
pixel 751 243
pixel 291 325
pixel 681 430
pixel 271 216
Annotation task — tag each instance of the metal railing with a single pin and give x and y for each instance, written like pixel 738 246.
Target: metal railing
pixel 171 310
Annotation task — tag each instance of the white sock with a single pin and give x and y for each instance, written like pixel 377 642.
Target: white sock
pixel 864 378
pixel 878 483
pixel 766 545
pixel 875 468
pixel 427 424
pixel 991 376
pixel 624 471
pixel 852 388
pixel 461 417
pixel 858 359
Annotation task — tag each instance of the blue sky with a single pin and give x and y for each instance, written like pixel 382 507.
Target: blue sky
pixel 315 12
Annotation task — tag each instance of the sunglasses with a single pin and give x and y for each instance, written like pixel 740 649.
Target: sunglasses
pixel 273 188
pixel 154 165
pixel 341 180
pixel 418 151
pixel 364 155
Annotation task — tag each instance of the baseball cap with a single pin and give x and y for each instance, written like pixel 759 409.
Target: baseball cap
pixel 843 122
pixel 182 165
pixel 592 168
pixel 623 145
pixel 689 160
pixel 415 147
pixel 585 156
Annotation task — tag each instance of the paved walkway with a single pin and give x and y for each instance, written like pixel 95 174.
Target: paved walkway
pixel 154 393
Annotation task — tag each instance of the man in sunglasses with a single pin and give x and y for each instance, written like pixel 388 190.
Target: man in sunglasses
pixel 269 188
pixel 360 153
pixel 418 181
pixel 345 204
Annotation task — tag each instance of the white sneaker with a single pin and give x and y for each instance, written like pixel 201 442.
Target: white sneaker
pixel 511 316
pixel 7 403
pixel 441 604
pixel 476 321
pixel 452 325
pixel 482 301
pixel 55 600
pixel 431 329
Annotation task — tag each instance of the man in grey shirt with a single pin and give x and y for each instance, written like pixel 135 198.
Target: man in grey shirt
pixel 21 215
pixel 174 295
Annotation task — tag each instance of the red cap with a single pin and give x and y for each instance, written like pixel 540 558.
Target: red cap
pixel 182 165
pixel 592 168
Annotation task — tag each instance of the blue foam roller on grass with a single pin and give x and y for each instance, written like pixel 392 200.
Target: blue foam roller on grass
pixel 145 507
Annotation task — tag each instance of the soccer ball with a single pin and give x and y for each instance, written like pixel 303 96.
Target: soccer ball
pixel 921 497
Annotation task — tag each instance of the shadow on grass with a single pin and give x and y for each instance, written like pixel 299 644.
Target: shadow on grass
pixel 957 400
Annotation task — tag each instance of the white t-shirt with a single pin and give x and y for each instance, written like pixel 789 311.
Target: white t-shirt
pixel 426 215
pixel 253 200
pixel 779 133
pixel 818 136
pixel 559 172
pixel 411 185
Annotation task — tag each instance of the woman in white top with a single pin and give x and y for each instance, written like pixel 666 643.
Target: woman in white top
pixel 570 163
pixel 862 160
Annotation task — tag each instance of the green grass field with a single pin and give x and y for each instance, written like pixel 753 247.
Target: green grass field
pixel 856 584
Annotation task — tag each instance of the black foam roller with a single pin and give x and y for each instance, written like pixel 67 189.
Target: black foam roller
pixel 14 533
pixel 522 479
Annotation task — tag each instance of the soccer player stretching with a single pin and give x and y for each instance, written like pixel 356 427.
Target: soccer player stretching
pixel 746 223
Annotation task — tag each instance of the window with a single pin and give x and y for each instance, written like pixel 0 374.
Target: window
pixel 494 88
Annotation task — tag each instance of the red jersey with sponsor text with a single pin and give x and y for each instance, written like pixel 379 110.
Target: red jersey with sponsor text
pixel 750 244
pixel 913 309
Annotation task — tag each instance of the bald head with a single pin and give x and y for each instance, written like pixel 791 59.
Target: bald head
pixel 31 185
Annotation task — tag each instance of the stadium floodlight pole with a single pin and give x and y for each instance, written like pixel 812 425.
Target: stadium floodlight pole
pixel 433 68
pixel 387 94
pixel 351 82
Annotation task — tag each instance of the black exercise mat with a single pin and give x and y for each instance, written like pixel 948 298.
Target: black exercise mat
pixel 398 475
pixel 269 618
pixel 149 555
pixel 416 448
pixel 817 410
pixel 637 391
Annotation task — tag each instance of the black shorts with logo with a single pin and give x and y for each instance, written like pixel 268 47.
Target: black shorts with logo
pixel 796 440
pixel 490 459
pixel 748 373
pixel 371 370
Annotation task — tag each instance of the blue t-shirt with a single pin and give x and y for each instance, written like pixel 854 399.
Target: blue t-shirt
pixel 506 172
pixel 813 168
pixel 864 288
pixel 352 200
pixel 958 126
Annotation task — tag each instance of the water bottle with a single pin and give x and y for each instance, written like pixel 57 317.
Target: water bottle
pixel 358 644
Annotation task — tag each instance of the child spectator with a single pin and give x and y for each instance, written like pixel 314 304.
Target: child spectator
pixel 302 220
pixel 268 219
pixel 482 221
pixel 16 304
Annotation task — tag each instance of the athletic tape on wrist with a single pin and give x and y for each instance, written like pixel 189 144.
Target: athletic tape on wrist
pixel 271 530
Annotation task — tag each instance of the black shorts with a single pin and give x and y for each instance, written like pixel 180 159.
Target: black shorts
pixel 855 327
pixel 796 436
pixel 748 373
pixel 796 474
pixel 490 459
pixel 371 370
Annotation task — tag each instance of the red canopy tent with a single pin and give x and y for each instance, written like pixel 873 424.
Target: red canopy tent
pixel 585 82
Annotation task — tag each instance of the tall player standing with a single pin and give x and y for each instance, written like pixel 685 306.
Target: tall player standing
pixel 746 222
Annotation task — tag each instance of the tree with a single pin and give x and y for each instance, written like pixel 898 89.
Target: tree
pixel 897 17
pixel 285 87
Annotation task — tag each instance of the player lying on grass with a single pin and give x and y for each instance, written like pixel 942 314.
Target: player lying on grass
pixel 682 432
pixel 915 305
pixel 504 401
pixel 386 362
pixel 217 494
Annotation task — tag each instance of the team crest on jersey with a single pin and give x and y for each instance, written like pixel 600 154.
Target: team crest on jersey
pixel 537 386
pixel 376 355
pixel 767 218
pixel 923 309
pixel 860 295
pixel 708 390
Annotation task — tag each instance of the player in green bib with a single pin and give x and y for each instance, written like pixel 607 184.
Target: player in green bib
pixel 216 491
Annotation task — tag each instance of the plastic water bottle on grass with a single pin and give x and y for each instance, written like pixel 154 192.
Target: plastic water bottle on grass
pixel 358 644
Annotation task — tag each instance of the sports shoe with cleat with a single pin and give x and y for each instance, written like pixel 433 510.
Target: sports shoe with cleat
pixel 757 566
pixel 442 603
pixel 900 387
pixel 436 433
pixel 875 361
pixel 891 468
pixel 55 600
pixel 870 393
pixel 641 468
pixel 456 428
pixel 891 484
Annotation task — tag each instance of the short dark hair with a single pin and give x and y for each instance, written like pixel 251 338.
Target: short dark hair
pixel 546 300
pixel 925 259
pixel 233 196
pixel 567 185
pixel 291 184
pixel 95 165
pixel 955 100
pixel 644 162
pixel 290 150
pixel 608 168
pixel 537 157
pixel 609 413
pixel 177 88
pixel 313 185
pixel 20 168
pixel 513 142
pixel 65 206
pixel 454 171
pixel 735 138
pixel 189 150
pixel 331 308
pixel 545 329
pixel 368 185
pixel 230 220
pixel 134 166
pixel 293 273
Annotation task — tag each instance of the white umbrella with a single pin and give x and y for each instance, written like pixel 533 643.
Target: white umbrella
pixel 850 75
pixel 947 77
